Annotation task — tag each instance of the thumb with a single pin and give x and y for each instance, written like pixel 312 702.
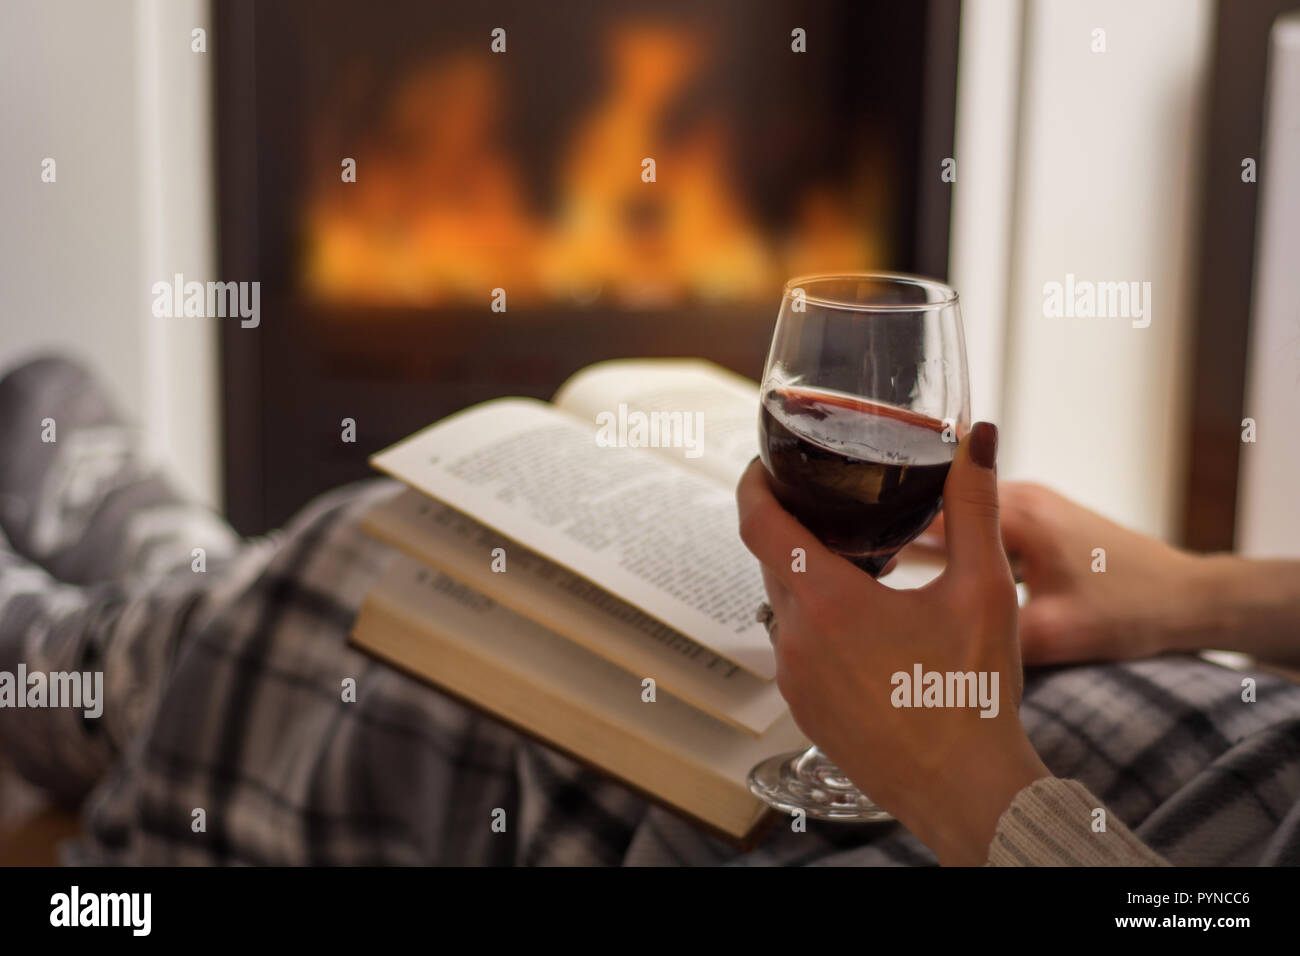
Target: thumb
pixel 970 505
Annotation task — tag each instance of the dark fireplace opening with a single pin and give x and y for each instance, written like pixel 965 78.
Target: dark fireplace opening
pixel 523 177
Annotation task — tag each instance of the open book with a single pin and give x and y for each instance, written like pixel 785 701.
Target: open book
pixel 576 570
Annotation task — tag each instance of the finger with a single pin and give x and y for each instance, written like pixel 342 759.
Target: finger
pixel 970 507
pixel 778 595
pixel 1046 636
pixel 932 548
pixel 1013 515
pixel 1016 516
pixel 772 534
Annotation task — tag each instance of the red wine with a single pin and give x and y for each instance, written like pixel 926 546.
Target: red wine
pixel 864 478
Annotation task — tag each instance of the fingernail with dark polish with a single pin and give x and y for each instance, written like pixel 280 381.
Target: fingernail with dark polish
pixel 984 444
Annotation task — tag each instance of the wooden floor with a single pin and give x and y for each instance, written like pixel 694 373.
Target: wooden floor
pixel 30 828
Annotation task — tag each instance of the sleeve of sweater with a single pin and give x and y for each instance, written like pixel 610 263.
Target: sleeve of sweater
pixel 1051 822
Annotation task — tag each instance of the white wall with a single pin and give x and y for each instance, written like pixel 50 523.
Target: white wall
pixel 80 82
pixel 1106 188
pixel 988 102
pixel 1268 518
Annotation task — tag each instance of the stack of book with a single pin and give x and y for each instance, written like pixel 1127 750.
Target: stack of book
pixel 575 569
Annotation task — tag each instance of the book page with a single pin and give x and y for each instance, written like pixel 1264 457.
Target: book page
pixel 729 404
pixel 641 526
pixel 722 404
pixel 534 587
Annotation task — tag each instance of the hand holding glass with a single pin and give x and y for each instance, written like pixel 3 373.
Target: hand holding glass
pixel 863 401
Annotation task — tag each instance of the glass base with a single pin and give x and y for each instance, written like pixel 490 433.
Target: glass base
pixel 808 781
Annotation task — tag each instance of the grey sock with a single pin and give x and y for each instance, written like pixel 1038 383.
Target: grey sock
pixel 85 505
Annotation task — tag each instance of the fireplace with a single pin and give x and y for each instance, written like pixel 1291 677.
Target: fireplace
pixel 589 181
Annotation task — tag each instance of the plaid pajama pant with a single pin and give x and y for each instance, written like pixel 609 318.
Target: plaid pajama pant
pixel 222 692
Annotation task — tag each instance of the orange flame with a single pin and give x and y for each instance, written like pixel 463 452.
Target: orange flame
pixel 438 213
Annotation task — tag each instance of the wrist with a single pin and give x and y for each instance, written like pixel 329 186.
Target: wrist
pixel 961 828
pixel 1242 604
pixel 1206 599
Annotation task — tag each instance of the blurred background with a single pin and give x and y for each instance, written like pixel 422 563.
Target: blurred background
pixel 520 170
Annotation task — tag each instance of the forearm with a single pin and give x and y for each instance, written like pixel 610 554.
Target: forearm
pixel 1245 605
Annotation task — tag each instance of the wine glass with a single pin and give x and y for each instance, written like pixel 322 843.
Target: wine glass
pixel 864 399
